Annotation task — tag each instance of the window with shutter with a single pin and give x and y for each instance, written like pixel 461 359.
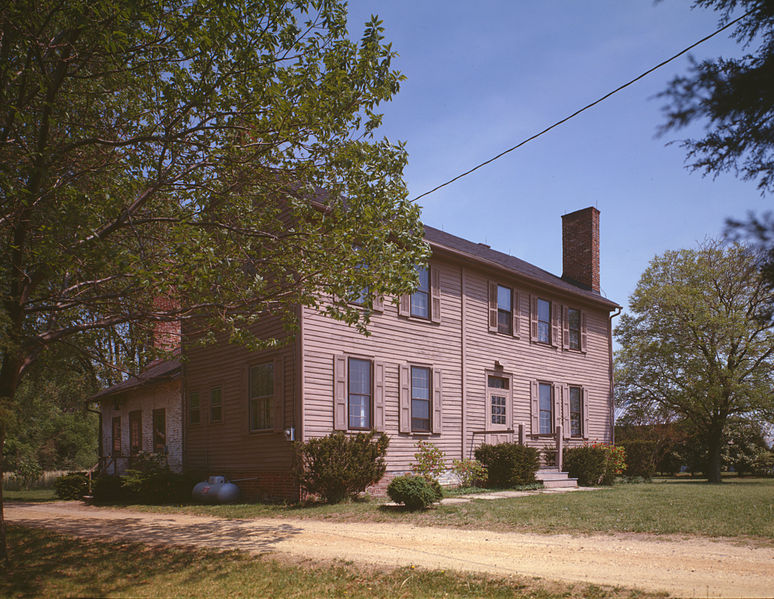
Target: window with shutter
pixel 260 395
pixel 216 405
pixel 573 328
pixel 576 412
pixel 546 399
pixel 544 323
pixel 359 393
pixel 135 432
pixel 421 394
pixel 194 413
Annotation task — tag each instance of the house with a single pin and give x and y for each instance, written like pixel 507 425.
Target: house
pixel 489 348
pixel 144 414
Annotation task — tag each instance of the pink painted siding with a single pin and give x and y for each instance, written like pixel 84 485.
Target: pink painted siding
pixel 464 350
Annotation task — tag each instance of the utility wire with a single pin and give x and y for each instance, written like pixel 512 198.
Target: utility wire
pixel 594 103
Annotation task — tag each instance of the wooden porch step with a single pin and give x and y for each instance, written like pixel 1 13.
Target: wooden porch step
pixel 553 479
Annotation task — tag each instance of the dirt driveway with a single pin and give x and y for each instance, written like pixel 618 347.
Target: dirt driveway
pixel 685 567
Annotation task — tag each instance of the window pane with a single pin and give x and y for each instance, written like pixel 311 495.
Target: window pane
pixel 575 411
pixel 420 398
pixel 420 383
pixel 420 304
pixel 262 380
pixel 359 411
pixel 359 393
pixel 215 405
pixel 504 298
pixel 497 382
pixel 498 409
pixel 424 279
pixel 546 411
pixel 544 321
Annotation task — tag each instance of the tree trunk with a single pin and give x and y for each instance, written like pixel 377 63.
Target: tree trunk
pixel 3 546
pixel 714 442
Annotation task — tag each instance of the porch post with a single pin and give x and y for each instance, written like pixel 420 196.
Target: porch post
pixel 521 434
pixel 559 447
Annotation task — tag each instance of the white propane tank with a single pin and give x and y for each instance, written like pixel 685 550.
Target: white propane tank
pixel 216 489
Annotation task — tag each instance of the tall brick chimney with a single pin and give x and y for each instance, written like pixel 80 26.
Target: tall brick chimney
pixel 580 248
pixel 166 335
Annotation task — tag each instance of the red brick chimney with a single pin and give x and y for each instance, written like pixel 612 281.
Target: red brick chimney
pixel 166 335
pixel 580 248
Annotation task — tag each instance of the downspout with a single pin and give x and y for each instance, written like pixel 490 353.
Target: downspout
pixel 612 371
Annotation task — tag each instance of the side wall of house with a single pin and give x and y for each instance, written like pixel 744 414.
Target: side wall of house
pixel 163 395
pixel 224 444
pixel 465 351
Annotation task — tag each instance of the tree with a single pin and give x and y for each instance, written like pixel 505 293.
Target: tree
pixel 217 155
pixel 699 342
pixel 733 97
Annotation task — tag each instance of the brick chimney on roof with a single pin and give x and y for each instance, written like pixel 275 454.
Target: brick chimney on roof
pixel 166 334
pixel 580 248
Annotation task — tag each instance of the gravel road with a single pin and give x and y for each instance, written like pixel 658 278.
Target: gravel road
pixel 686 567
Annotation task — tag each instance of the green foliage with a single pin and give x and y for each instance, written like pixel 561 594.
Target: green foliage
pixel 641 457
pixel 429 460
pixel 27 472
pixel 588 464
pixel 745 449
pixel 471 473
pixel 339 465
pixel 508 464
pixel 733 97
pixel 699 343
pixel 415 492
pixel 151 481
pixel 75 485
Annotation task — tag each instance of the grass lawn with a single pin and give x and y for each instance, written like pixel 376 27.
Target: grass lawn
pixel 31 495
pixel 44 564
pixel 740 507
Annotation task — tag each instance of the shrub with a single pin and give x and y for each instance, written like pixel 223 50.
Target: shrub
pixel 587 464
pixel 508 464
pixel 107 488
pixel 471 473
pixel 339 465
pixel 415 492
pixel 28 471
pixel 75 485
pixel 615 461
pixel 641 457
pixel 429 460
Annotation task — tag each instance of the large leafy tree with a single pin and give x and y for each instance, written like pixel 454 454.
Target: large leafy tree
pixel 699 342
pixel 732 97
pixel 217 155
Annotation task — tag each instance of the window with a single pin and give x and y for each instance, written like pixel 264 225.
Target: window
pixel 546 414
pixel 216 406
pixel 160 430
pixel 504 310
pixel 360 394
pixel 420 399
pixel 420 299
pixel 261 391
pixel 574 328
pixel 135 432
pixel 543 321
pixel 576 412
pixel 116 435
pixel 194 415
pixel 498 400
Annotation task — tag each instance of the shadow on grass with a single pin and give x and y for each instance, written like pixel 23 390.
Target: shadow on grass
pixel 45 561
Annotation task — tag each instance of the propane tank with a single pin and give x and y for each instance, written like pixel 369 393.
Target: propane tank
pixel 216 489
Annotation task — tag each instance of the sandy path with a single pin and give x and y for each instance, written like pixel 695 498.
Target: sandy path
pixel 687 568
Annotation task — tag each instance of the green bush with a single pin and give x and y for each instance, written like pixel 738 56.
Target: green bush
pixel 641 457
pixel 587 464
pixel 415 492
pixel 107 488
pixel 75 485
pixel 339 465
pixel 429 460
pixel 508 464
pixel 471 473
pixel 151 481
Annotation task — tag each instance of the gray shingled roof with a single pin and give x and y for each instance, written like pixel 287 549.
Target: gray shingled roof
pixel 485 255
pixel 157 371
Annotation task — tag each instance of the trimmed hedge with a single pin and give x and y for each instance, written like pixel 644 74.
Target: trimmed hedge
pixel 75 485
pixel 641 457
pixel 339 465
pixel 508 464
pixel 588 464
pixel 415 492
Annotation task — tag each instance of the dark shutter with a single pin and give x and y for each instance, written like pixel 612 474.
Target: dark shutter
pixel 557 405
pixel 437 401
pixel 533 317
pixel 585 408
pixel 340 393
pixel 584 335
pixel 435 295
pixel 516 314
pixel 556 323
pixel 379 395
pixel 565 328
pixel 404 420
pixel 493 306
pixel 566 421
pixel 404 306
pixel 378 304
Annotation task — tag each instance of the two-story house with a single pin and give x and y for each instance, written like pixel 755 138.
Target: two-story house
pixel 489 348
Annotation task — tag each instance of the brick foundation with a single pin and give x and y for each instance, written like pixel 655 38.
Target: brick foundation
pixel 264 486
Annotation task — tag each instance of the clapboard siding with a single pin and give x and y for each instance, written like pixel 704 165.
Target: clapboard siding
pixel 397 340
pixel 229 446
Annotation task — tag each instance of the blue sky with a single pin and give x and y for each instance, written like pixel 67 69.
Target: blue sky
pixel 482 76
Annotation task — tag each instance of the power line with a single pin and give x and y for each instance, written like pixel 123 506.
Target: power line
pixel 594 103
